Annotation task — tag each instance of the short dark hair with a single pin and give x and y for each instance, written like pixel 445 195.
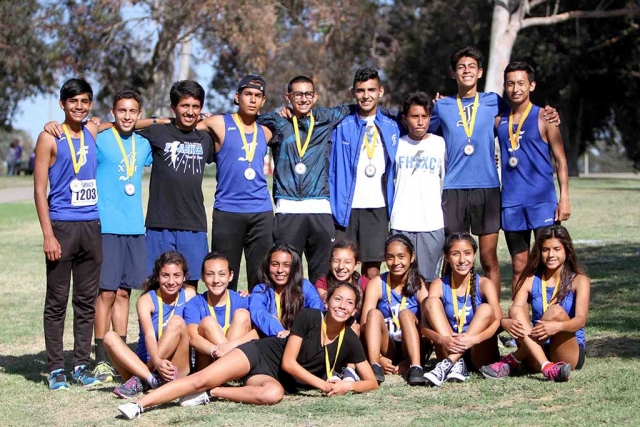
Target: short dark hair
pixel 419 98
pixel 299 79
pixel 186 88
pixel 520 66
pixel 127 93
pixel 469 52
pixel 364 74
pixel 74 87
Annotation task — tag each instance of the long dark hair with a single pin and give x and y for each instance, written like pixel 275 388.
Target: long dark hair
pixel 171 257
pixel 535 266
pixel 448 269
pixel 292 298
pixel 355 277
pixel 414 278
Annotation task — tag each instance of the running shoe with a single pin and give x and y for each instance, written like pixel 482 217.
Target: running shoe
pixel 130 410
pixel 415 376
pixel 438 375
pixel 195 399
pixel 558 372
pixel 458 372
pixel 83 376
pixel 104 372
pixel 378 372
pixel 58 380
pixel 349 374
pixel 130 389
pixel 504 367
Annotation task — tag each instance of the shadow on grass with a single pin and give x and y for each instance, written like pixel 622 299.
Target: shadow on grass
pixel 30 366
pixel 625 347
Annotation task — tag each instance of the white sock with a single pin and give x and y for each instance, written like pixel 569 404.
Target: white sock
pixel 152 381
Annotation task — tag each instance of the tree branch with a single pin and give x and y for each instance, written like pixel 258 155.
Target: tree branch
pixel 580 14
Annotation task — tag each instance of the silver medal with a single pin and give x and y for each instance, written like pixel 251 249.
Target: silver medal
pixel 249 174
pixel 129 189
pixel 513 161
pixel 370 171
pixel 300 168
pixel 468 149
pixel 75 185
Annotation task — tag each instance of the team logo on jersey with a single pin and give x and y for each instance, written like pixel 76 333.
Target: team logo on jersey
pixel 82 155
pixel 468 111
pixel 416 160
pixel 122 169
pixel 394 139
pixel 231 128
pixel 184 156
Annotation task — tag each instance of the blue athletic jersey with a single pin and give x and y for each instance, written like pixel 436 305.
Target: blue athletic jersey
pixel 167 310
pixel 396 301
pixel 235 193
pixel 532 180
pixel 262 306
pixel 61 174
pixel 479 169
pixel 447 302
pixel 568 304
pixel 198 308
pixel 120 213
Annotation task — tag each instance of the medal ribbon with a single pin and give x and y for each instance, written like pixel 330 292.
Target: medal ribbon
pixel 461 315
pixel 130 166
pixel 278 305
pixel 161 316
pixel 468 128
pixel 250 149
pixel 326 350
pixel 403 302
pixel 371 145
pixel 303 148
pixel 227 311
pixel 514 137
pixel 76 162
pixel 545 304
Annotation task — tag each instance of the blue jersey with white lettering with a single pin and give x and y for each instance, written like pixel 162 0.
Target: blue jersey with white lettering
pixel 393 308
pixel 531 181
pixel 449 310
pixel 168 310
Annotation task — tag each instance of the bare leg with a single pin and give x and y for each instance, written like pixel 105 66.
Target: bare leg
pixel 437 321
pixel 489 258
pixel 371 269
pixel 104 302
pixel 120 312
pixel 241 324
pixel 564 345
pixel 174 345
pixel 518 263
pixel 377 337
pixel 485 352
pixel 258 390
pixel 126 362
pixel 527 348
pixel 410 336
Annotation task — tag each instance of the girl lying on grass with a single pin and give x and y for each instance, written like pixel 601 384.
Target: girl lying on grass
pixel 558 291
pixel 317 346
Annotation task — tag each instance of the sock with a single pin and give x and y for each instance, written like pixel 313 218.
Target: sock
pixel 512 361
pixel 152 381
pixel 101 353
pixel 516 360
pixel 416 366
pixel 546 365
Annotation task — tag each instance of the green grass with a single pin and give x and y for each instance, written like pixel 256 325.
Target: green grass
pixel 604 221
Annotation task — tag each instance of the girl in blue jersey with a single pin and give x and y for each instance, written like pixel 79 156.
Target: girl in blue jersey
pixel 217 320
pixel 390 312
pixel 462 314
pixel 163 349
pixel 557 289
pixel 281 292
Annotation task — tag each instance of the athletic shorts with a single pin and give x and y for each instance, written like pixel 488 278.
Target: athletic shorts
pixel 476 210
pixel 265 357
pixel 428 248
pixel 124 262
pixel 520 241
pixel 192 245
pixel 370 228
pixel 581 356
pixel 528 217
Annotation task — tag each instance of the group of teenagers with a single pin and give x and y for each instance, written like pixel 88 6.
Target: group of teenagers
pixel 354 186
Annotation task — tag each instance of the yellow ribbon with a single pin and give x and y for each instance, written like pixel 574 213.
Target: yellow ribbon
pixel 278 305
pixel 227 311
pixel 545 304
pixel 130 166
pixel 403 302
pixel 463 312
pixel 371 145
pixel 302 149
pixel 468 128
pixel 250 149
pixel 77 165
pixel 326 351
pixel 160 314
pixel 514 137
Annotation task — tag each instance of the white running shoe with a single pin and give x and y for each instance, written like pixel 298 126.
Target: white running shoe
pixel 130 410
pixel 195 399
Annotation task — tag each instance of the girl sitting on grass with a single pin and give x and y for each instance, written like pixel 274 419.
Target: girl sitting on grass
pixel 281 292
pixel 390 313
pixel 318 345
pixel 163 349
pixel 345 259
pixel 558 291
pixel 463 314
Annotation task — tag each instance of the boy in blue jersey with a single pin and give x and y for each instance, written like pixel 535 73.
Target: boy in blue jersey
pixel 71 229
pixel 471 196
pixel 242 212
pixel 527 141
pixel 362 172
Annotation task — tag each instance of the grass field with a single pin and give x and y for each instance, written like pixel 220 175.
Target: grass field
pixel 604 223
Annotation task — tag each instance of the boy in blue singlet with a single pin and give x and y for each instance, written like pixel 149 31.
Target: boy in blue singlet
pixel 527 141
pixel 71 229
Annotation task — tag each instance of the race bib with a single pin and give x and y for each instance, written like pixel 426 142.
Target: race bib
pixel 86 194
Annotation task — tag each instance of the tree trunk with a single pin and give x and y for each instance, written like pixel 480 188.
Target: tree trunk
pixel 504 30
